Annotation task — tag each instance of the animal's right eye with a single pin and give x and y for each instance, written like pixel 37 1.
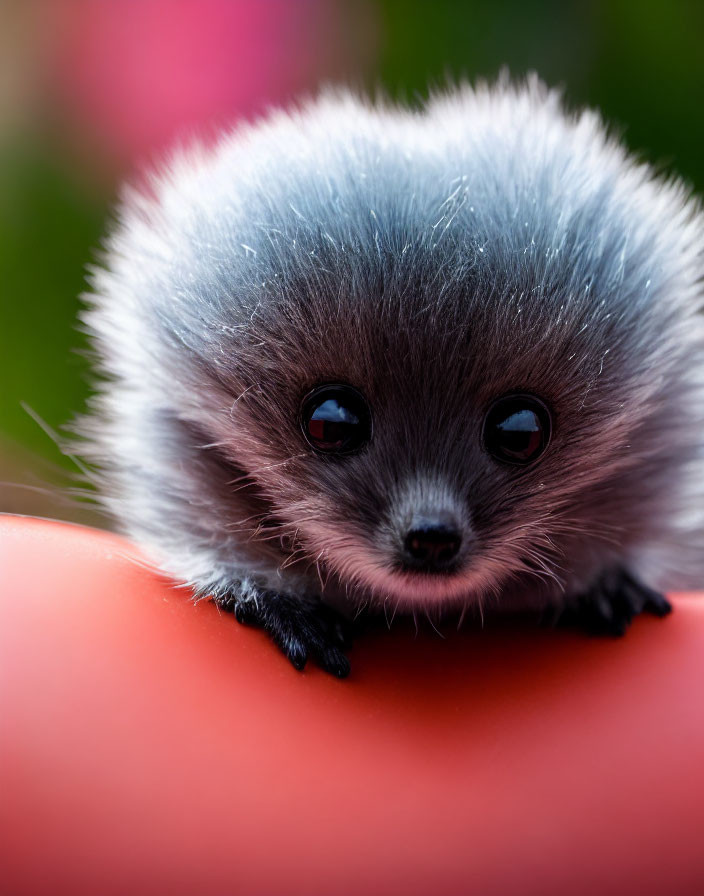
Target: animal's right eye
pixel 335 419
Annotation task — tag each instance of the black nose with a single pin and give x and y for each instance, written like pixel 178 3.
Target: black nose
pixel 431 545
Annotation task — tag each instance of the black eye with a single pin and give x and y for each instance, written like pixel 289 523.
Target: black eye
pixel 335 419
pixel 517 429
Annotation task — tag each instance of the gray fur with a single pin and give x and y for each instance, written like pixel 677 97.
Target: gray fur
pixel 434 259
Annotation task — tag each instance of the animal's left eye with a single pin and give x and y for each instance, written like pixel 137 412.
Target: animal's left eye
pixel 335 419
pixel 517 429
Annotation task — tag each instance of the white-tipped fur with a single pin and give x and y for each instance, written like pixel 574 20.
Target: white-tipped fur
pixel 434 259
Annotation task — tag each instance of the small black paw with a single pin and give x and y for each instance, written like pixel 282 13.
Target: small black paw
pixel 610 605
pixel 301 628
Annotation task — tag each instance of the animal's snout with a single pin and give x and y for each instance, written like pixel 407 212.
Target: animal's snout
pixel 432 543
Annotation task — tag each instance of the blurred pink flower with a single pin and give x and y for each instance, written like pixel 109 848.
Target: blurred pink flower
pixel 138 73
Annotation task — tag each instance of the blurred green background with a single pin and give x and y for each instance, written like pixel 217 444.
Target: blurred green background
pixel 92 90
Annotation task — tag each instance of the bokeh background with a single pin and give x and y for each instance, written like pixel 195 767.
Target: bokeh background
pixel 92 91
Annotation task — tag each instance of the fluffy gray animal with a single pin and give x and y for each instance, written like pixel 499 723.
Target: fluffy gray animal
pixel 358 354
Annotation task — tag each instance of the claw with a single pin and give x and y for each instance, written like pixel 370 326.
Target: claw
pixel 613 602
pixel 335 662
pixel 297 655
pixel 299 628
pixel 651 600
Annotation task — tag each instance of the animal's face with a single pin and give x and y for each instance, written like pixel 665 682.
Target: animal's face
pixel 425 452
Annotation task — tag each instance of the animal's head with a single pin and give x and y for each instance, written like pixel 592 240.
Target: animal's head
pixel 438 344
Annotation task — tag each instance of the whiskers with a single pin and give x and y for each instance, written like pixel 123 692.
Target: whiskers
pixel 313 545
pixel 267 528
pixel 540 548
pixel 56 439
pixel 247 480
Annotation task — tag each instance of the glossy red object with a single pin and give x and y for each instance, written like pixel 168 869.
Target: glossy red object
pixel 152 746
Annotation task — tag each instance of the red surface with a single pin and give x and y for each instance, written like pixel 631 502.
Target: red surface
pixel 150 746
